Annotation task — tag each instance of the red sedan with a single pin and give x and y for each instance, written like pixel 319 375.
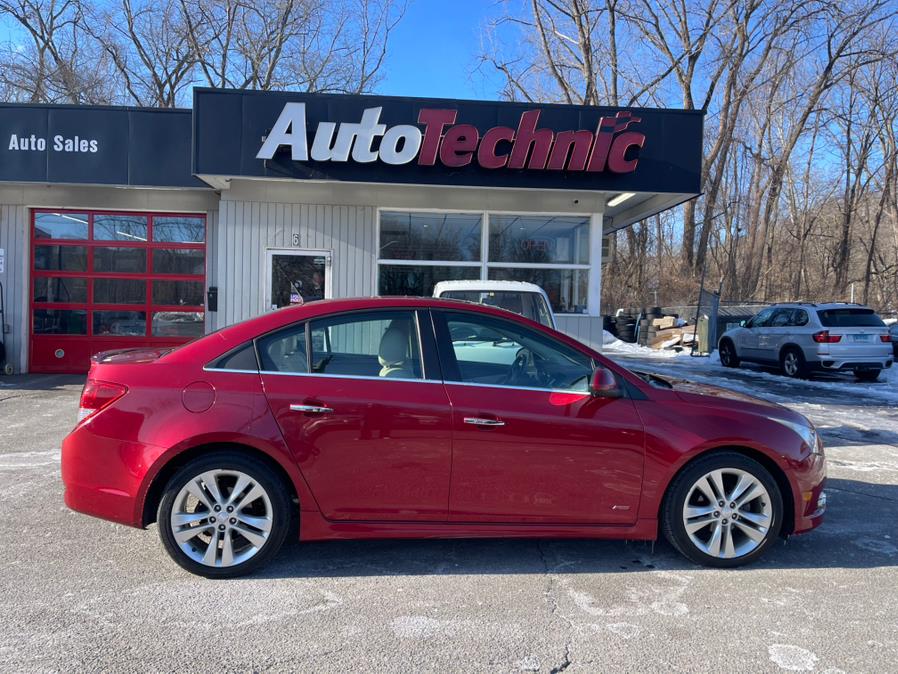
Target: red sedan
pixel 409 418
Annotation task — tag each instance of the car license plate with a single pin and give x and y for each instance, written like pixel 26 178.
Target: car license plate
pixel 860 338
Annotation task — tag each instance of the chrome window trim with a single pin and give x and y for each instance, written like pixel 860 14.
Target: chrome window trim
pixel 206 368
pixel 516 388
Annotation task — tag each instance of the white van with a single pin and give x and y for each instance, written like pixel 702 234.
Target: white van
pixel 526 299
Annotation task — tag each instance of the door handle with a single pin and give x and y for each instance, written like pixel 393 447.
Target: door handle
pixel 311 409
pixel 480 421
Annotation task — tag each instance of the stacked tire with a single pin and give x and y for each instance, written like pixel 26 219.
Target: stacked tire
pixel 625 326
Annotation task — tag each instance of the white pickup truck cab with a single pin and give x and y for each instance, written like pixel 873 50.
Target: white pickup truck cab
pixel 526 299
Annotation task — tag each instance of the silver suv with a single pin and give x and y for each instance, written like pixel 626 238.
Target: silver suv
pixel 801 338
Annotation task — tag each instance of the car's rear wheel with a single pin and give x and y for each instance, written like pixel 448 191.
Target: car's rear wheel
pixel 793 364
pixel 723 510
pixel 728 357
pixel 867 375
pixel 223 515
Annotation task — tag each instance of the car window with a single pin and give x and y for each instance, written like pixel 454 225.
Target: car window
pixel 762 320
pixel 850 318
pixel 367 344
pixel 242 358
pixel 529 304
pixel 799 317
pixel 491 351
pixel 284 350
pixel 781 318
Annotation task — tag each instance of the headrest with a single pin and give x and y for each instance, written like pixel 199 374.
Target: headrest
pixel 393 347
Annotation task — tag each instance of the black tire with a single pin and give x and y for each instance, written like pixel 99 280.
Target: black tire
pixel 792 363
pixel 728 355
pixel 867 375
pixel 273 486
pixel 674 528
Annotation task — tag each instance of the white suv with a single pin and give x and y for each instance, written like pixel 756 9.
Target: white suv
pixel 801 338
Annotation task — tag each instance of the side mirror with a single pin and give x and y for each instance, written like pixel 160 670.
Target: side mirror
pixel 604 384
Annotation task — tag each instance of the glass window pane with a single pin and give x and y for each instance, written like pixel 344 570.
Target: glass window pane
pixel 395 279
pixel 568 289
pixel 60 258
pixel 296 279
pixel 60 322
pixel 243 358
pixel 178 323
pixel 492 351
pixel 120 323
pixel 374 344
pixel 531 305
pixel 850 318
pixel 539 238
pixel 120 260
pixel 179 261
pixel 60 225
pixel 189 293
pixel 120 228
pixel 170 229
pixel 120 291
pixel 453 237
pixel 284 351
pixel 51 289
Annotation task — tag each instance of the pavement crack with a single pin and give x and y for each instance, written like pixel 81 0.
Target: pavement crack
pixel 551 596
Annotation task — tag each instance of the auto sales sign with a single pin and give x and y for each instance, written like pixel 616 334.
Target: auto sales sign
pixel 375 139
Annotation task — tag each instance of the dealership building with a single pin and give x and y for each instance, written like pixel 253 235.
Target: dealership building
pixel 127 227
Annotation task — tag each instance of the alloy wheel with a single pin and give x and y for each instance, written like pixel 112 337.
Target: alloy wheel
pixel 727 513
pixel 790 363
pixel 221 518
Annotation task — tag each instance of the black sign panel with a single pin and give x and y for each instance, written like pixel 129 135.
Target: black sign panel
pixel 336 137
pixel 95 145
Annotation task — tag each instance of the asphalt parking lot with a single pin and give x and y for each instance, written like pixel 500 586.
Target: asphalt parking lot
pixel 79 594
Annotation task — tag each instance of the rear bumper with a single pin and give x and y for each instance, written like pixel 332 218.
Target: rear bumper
pixel 103 476
pixel 832 364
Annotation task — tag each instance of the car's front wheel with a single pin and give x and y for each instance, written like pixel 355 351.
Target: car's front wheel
pixel 223 515
pixel 728 357
pixel 723 510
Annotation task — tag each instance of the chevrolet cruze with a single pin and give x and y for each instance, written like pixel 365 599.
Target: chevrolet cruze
pixel 414 418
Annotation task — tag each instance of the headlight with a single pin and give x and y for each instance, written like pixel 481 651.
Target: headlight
pixel 806 432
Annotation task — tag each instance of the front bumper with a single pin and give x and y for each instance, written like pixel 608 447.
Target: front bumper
pixel 810 499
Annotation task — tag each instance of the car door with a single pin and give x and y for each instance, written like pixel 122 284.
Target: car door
pixel 771 339
pixel 369 430
pixel 749 347
pixel 530 444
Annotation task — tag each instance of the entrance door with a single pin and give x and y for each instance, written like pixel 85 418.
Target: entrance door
pixel 297 277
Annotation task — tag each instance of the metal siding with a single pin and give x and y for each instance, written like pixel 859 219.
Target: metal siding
pixel 586 329
pixel 246 229
pixel 14 241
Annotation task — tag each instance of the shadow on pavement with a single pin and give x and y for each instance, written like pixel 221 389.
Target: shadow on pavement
pixel 40 382
pixel 859 532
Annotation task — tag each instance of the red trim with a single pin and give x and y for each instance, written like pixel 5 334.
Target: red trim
pixel 87 344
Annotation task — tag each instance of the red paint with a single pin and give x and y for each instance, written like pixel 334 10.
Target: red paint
pixel 395 459
pixel 577 144
pixel 458 145
pixel 434 122
pixel 488 154
pixel 530 140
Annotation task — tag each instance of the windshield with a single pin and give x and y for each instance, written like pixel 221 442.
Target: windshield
pixel 850 318
pixel 527 304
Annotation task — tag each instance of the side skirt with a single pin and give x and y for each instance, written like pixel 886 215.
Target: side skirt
pixel 313 527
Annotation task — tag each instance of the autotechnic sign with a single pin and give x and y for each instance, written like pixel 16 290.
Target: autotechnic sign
pixel 426 141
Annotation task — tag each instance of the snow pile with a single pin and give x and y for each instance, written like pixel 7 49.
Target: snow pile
pixel 612 344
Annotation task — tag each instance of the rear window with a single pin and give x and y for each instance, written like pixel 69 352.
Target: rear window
pixel 850 318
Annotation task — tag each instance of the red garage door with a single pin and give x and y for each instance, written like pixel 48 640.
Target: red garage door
pixel 105 280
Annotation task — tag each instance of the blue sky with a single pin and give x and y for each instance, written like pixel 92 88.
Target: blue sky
pixel 433 52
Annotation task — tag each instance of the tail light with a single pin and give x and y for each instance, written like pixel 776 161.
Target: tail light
pixel 885 338
pixel 823 337
pixel 97 395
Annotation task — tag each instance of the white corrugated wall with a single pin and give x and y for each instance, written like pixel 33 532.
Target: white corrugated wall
pixel 246 229
pixel 14 278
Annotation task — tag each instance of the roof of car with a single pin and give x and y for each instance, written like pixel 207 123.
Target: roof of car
pixel 520 286
pixel 238 333
pixel 822 305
